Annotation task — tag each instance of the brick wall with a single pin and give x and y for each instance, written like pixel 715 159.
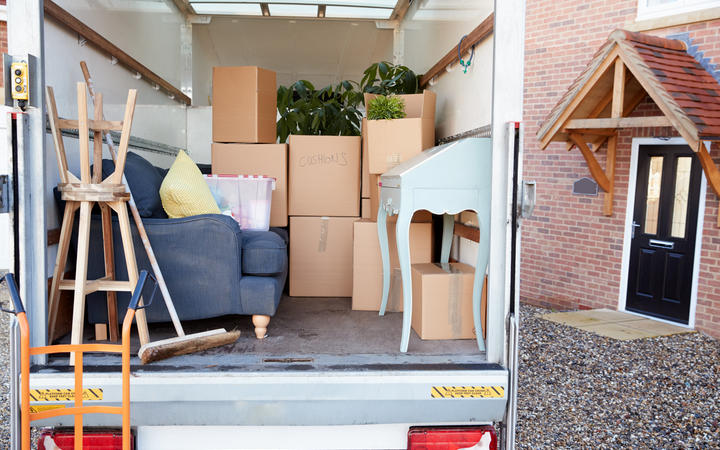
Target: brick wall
pixel 572 253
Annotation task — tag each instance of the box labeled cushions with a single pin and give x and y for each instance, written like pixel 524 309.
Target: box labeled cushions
pixel 321 256
pixel 324 176
pixel 367 262
pixel 257 159
pixel 244 105
pixel 390 142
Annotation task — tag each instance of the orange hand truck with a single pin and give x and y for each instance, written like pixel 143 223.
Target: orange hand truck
pixel 78 409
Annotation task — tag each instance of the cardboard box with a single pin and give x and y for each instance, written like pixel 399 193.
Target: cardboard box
pixel 391 142
pixel 324 176
pixel 244 105
pixel 367 262
pixel 257 159
pixel 365 212
pixel 419 216
pixel 365 167
pixel 321 256
pixel 442 301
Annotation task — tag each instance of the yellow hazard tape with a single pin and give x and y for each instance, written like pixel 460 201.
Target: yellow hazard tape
pixel 467 392
pixel 63 395
pixel 38 408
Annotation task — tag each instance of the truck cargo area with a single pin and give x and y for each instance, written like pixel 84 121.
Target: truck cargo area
pixel 307 334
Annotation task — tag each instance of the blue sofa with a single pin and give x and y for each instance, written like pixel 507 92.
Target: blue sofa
pixel 211 267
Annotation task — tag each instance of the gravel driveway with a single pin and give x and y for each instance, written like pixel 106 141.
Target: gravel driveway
pixel 580 390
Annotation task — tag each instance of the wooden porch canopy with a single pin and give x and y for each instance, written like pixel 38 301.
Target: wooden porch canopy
pixel 624 70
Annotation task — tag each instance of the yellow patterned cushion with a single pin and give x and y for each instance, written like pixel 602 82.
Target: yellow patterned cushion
pixel 184 191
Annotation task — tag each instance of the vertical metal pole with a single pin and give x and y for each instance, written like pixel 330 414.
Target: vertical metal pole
pixel 508 58
pixel 186 82
pixel 25 37
pixel 14 375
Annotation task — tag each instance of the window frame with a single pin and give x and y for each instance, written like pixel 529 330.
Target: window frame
pixel 645 12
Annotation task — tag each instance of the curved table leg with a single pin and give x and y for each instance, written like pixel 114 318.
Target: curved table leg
pixel 480 269
pixel 447 237
pixel 402 232
pixel 385 254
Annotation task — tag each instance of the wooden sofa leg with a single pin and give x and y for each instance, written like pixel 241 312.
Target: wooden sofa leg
pixel 261 322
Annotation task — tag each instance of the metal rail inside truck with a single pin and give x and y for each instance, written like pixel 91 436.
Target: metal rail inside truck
pixel 303 398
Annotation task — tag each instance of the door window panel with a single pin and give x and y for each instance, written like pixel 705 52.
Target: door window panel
pixel 680 201
pixel 652 203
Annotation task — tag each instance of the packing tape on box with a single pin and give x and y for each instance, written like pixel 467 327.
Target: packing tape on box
pixel 324 225
pixel 455 294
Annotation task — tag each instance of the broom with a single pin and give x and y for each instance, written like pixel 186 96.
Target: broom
pixel 182 344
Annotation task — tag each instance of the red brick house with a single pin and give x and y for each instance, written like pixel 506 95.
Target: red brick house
pixel 660 238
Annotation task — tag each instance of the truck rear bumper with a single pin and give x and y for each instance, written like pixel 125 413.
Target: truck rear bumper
pixel 294 399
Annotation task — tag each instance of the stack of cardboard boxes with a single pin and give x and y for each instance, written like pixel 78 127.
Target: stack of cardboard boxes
pixel 324 184
pixel 324 202
pixel 387 143
pixel 244 133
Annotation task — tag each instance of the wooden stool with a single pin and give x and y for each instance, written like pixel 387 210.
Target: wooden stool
pixel 83 193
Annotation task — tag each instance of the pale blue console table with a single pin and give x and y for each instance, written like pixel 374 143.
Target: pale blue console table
pixel 447 180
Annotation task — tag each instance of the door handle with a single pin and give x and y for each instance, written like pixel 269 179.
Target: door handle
pixel 661 244
pixel 634 226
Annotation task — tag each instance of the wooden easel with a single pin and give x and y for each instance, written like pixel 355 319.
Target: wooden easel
pixel 83 193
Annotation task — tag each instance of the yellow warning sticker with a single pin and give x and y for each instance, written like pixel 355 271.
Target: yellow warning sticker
pixel 467 392
pixel 38 408
pixel 63 395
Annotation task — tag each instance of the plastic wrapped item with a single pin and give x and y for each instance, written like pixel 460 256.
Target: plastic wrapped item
pixel 246 198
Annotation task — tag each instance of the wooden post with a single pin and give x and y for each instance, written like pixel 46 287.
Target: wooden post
pixel 595 170
pixel 618 98
pixel 610 172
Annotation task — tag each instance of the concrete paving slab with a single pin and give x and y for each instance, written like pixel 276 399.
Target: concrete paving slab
pixel 657 327
pixel 620 331
pixel 589 317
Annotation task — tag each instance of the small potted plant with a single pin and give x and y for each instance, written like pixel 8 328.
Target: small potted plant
pixel 386 107
pixel 400 122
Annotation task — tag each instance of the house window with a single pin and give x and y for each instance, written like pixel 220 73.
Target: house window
pixel 650 9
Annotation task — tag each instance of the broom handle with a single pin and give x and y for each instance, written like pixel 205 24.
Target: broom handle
pixel 138 221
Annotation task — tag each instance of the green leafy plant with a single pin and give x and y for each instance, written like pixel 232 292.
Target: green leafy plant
pixel 386 107
pixel 386 78
pixel 331 110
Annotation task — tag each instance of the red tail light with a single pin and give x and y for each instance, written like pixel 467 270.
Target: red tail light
pixel 452 438
pixel 96 440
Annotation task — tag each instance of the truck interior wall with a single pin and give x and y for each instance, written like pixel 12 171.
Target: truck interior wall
pixel 320 51
pixel 463 99
pixel 149 36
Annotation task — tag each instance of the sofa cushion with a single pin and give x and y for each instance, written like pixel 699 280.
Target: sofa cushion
pixel 144 181
pixel 263 253
pixel 184 192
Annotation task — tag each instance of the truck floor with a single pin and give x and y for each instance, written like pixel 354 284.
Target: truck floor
pixel 304 334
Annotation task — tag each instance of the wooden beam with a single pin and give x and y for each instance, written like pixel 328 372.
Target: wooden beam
pixel 183 7
pixel 610 173
pixel 628 109
pixel 479 34
pixel 95 125
pixel 564 116
pixel 620 122
pixel 464 231
pixel 401 9
pixel 71 22
pixel 618 92
pixel 595 170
